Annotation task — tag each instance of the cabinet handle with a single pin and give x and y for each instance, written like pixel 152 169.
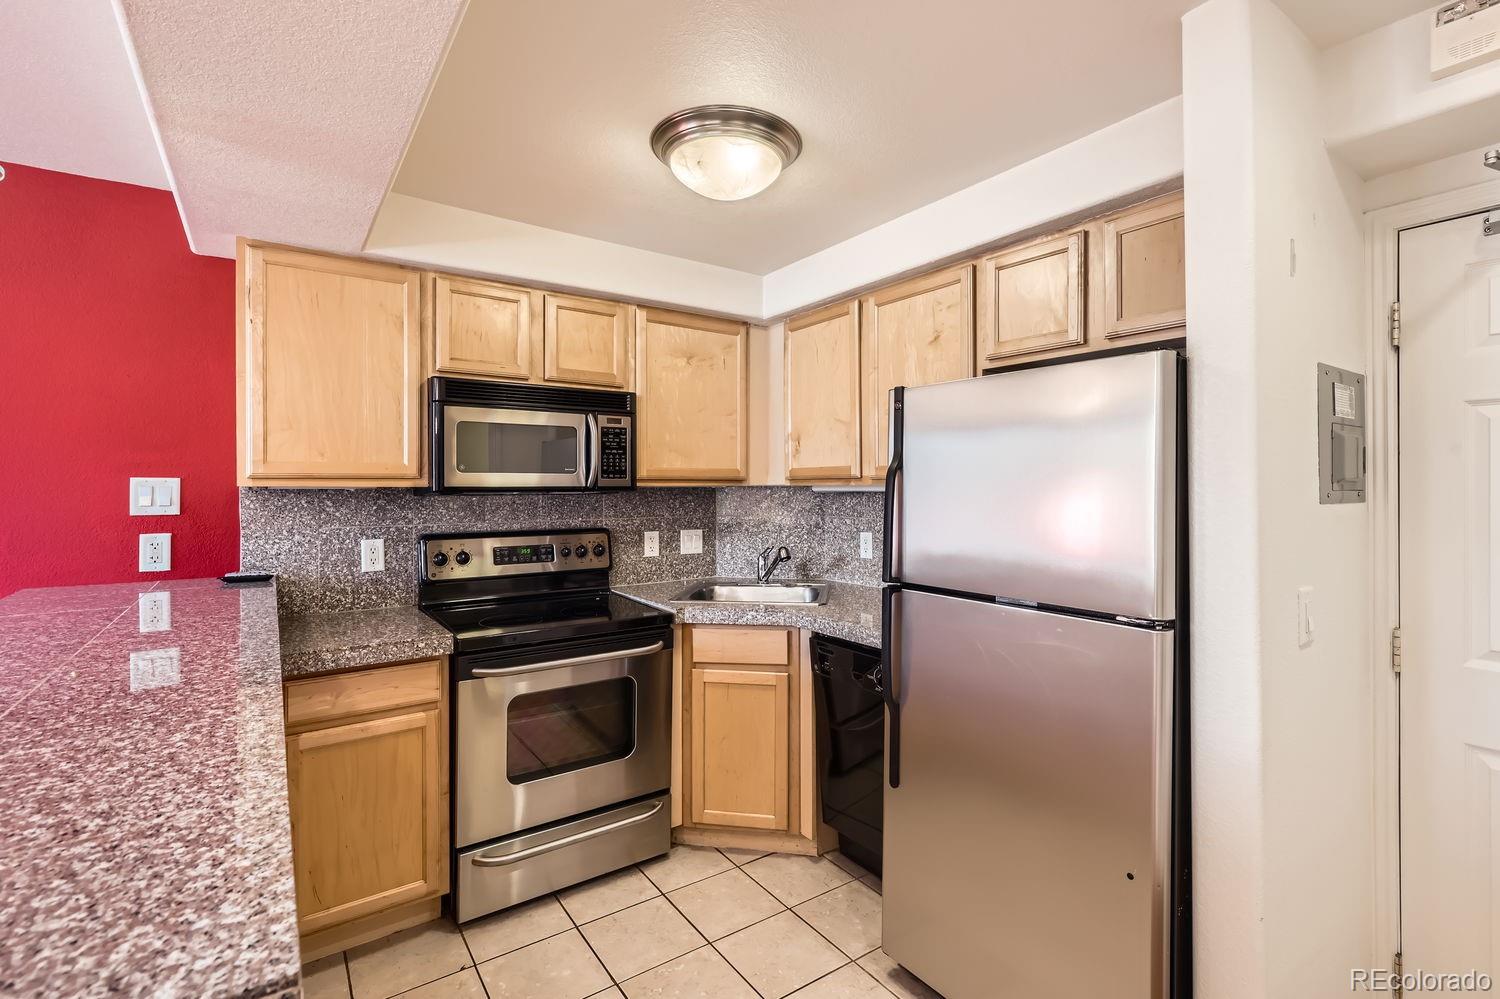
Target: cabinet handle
pixel 575 661
pixel 503 860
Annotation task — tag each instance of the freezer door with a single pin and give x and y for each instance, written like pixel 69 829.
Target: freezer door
pixel 1053 485
pixel 1027 846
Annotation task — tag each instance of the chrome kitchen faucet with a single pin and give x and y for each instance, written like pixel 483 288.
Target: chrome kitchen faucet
pixel 766 564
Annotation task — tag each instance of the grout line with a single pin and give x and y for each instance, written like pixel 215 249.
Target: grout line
pixel 473 963
pixel 709 943
pixel 578 928
pixel 348 975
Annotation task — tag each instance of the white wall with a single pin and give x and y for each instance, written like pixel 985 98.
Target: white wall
pixel 1465 169
pixel 1282 757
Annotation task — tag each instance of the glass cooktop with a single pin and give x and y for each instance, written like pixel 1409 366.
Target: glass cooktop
pixel 540 620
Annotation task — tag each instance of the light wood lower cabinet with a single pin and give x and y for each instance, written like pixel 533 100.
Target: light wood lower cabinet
pixel 367 782
pixel 746 739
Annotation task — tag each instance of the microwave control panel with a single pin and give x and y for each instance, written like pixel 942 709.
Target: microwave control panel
pixel 614 450
pixel 485 557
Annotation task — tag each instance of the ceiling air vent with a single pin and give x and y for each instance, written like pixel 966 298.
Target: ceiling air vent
pixel 1465 34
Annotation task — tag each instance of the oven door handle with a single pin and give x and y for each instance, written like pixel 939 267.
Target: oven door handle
pixel 574 661
pixel 504 860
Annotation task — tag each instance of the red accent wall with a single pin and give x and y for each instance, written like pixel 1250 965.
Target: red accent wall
pixel 116 359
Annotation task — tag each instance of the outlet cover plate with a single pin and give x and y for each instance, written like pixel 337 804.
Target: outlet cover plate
pixel 155 611
pixel 691 542
pixel 155 553
pixel 372 555
pixel 651 544
pixel 866 544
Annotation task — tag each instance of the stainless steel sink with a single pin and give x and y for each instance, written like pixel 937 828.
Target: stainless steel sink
pixel 751 592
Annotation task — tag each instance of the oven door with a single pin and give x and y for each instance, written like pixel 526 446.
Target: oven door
pixel 542 741
pixel 488 448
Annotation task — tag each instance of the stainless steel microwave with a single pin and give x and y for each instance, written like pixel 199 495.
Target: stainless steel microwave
pixel 494 436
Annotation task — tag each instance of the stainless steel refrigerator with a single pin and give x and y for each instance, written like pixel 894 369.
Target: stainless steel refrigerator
pixel 1036 787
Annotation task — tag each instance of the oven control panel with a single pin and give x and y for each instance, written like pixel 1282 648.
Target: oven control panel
pixel 484 556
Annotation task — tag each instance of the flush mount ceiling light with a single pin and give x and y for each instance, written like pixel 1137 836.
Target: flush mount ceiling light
pixel 726 152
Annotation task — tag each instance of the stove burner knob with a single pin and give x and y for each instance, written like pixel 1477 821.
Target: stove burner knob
pixel 580 551
pixel 566 551
pixel 598 549
pixel 462 558
pixel 440 559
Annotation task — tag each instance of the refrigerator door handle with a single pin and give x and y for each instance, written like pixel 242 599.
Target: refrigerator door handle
pixel 891 550
pixel 890 679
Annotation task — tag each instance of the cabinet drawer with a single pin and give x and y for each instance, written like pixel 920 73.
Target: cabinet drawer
pixel 348 694
pixel 743 646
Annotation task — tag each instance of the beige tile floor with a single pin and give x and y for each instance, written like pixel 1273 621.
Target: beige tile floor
pixel 698 922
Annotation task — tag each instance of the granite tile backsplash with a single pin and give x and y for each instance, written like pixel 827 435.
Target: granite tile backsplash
pixel 310 537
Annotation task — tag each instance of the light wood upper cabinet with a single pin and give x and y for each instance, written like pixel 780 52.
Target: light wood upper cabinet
pixel 483 328
pixel 822 390
pixel 692 380
pixel 586 341
pixel 1031 298
pixel 1145 285
pixel 330 371
pixel 367 792
pixel 918 332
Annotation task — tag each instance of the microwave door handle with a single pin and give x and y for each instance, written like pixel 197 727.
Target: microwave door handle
pixel 593 447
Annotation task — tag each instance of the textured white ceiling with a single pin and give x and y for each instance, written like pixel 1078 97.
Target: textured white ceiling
pixel 68 98
pixel 1328 22
pixel 542 111
pixel 285 120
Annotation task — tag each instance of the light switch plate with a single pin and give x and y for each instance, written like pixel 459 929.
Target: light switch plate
pixel 372 555
pixel 866 544
pixel 691 542
pixel 155 553
pixel 1305 630
pixel 155 497
pixel 651 544
pixel 155 611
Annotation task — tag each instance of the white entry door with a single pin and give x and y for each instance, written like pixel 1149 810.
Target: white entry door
pixel 1450 597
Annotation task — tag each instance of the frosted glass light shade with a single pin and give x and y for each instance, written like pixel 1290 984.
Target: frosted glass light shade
pixel 725 167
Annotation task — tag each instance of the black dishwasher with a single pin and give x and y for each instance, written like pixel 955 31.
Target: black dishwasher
pixel 851 744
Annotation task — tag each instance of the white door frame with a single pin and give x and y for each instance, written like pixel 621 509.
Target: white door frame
pixel 1383 229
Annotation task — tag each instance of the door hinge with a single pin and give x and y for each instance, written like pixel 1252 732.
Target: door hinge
pixel 1396 325
pixel 1396 650
pixel 1396 981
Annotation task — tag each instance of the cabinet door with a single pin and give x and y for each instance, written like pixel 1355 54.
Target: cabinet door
pixel 330 371
pixel 483 328
pixel 586 341
pixel 739 755
pixel 367 810
pixel 692 380
pixel 822 394
pixel 915 333
pixel 1031 298
pixel 1145 286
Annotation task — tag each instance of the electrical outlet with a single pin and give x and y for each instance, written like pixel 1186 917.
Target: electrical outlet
pixel 1305 629
pixel 372 555
pixel 155 553
pixel 155 668
pixel 866 544
pixel 155 610
pixel 155 497
pixel 691 542
pixel 651 544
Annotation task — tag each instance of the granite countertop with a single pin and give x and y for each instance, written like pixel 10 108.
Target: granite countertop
pixel 146 848
pixel 851 613
pixel 323 643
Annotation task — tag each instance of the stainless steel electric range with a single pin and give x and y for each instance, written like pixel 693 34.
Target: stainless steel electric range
pixel 561 755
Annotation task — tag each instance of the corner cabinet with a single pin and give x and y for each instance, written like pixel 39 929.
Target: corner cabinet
pixel 367 787
pixel 692 380
pixel 823 384
pixel 329 371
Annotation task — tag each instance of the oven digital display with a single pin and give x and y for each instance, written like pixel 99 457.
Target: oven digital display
pixel 523 554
